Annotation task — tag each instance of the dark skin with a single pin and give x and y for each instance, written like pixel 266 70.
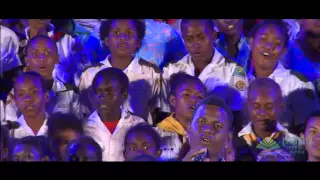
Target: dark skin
pixel 109 96
pixel 140 143
pixel 123 42
pixel 63 137
pixel 31 98
pixel 232 28
pixel 310 45
pixel 42 56
pixel 38 26
pixel 267 47
pixel 312 139
pixel 199 40
pixel 264 103
pixel 209 130
pixel 27 153
pixel 185 99
pixel 85 153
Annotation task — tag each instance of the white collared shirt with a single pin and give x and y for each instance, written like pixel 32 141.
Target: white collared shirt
pixel 144 86
pixel 112 145
pixel 9 48
pixel 61 99
pixel 24 130
pixel 216 76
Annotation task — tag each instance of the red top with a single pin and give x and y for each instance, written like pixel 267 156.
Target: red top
pixel 111 125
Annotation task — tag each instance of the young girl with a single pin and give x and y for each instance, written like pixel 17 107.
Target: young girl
pixel 110 122
pixel 124 39
pixel 62 129
pixel 30 96
pixel 185 93
pixel 83 149
pixel 31 148
pixel 206 63
pixel 141 140
pixel 41 57
pixel 268 41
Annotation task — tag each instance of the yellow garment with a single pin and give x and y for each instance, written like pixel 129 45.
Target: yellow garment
pixel 172 125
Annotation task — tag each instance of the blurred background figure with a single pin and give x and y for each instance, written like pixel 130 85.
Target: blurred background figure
pixel 277 155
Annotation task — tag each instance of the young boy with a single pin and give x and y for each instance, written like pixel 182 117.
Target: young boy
pixel 185 93
pixel 311 136
pixel 124 39
pixel 41 57
pixel 30 96
pixel 83 149
pixel 264 106
pixel 72 59
pixel 207 63
pixel 62 129
pixel 231 42
pixel 268 41
pixel 4 144
pixel 31 149
pixel 141 140
pixel 109 123
pixel 210 131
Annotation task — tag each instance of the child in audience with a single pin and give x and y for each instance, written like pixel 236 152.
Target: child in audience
pixel 41 57
pixel 33 148
pixel 268 41
pixel 231 42
pixel 30 96
pixel 110 122
pixel 83 149
pixel 124 39
pixel 205 62
pixel 62 129
pixel 185 93
pixel 4 144
pixel 311 136
pixel 265 105
pixel 140 140
pixel 210 131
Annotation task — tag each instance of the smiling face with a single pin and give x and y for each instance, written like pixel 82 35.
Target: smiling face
pixel 230 27
pixel 267 45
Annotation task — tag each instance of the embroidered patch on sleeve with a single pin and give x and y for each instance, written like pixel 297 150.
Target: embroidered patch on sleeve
pixel 241 85
pixel 239 71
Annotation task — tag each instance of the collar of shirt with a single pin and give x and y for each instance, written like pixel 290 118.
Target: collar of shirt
pixel 243 47
pixel 50 31
pixel 279 72
pixel 248 129
pixel 58 85
pixel 133 66
pixel 26 128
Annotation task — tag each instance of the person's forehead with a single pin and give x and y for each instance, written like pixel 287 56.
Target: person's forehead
pixel 192 86
pixel 209 111
pixel 24 148
pixel 103 81
pixel 270 29
pixel 42 43
pixel 122 23
pixel 27 81
pixel 314 122
pixel 195 26
pixel 263 92
pixel 140 136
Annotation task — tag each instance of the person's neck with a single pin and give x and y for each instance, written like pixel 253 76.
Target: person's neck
pixel 213 156
pixel 36 120
pixel 48 83
pixel 115 116
pixel 200 64
pixel 313 159
pixel 120 62
pixel 182 120
pixel 34 32
pixel 232 44
pixel 262 73
pixel 260 133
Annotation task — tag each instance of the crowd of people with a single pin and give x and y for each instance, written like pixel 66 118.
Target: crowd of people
pixel 201 90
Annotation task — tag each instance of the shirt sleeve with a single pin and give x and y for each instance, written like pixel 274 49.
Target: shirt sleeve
pixel 9 51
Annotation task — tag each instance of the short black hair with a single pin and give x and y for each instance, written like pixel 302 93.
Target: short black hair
pixel 111 72
pixel 106 27
pixel 216 101
pixel 63 121
pixel 177 79
pixel 34 75
pixel 147 129
pixel 41 36
pixel 41 143
pixel 313 114
pixel 264 82
pixel 83 142
pixel 208 21
pixel 283 26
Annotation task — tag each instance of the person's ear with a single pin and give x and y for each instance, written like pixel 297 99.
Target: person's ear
pixel 125 96
pixel 172 100
pixel 57 59
pixel 46 158
pixel 214 35
pixel 250 43
pixel 47 97
pixel 5 153
pixel 284 51
pixel 106 42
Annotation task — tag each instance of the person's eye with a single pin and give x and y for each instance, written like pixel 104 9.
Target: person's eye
pixel 132 149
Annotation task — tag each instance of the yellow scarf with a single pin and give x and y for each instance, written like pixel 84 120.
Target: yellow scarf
pixel 172 125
